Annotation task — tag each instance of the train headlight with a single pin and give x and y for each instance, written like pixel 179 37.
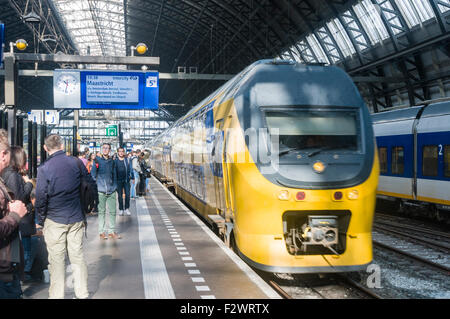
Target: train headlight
pixel 353 194
pixel 283 195
pixel 319 167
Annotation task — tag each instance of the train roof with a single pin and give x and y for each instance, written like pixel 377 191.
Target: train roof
pixel 269 74
pixel 409 113
pixel 437 109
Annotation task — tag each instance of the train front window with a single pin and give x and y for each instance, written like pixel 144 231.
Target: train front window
pixel 312 129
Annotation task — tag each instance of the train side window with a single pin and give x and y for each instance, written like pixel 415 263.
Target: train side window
pixel 447 160
pixel 430 160
pixel 382 153
pixel 398 160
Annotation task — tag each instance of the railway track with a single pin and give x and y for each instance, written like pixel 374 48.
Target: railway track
pixel 422 244
pixel 330 286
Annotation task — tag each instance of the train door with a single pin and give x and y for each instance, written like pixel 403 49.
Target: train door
pixel 217 156
pixel 227 176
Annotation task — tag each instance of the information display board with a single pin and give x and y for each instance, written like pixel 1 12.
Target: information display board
pixel 106 89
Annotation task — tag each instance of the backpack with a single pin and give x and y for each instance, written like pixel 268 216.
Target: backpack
pixel 88 193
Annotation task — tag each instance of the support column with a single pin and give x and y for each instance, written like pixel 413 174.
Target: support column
pixel 10 94
pixel 43 135
pixel 34 153
pixel 120 136
pixel 19 131
pixel 30 149
pixel 76 122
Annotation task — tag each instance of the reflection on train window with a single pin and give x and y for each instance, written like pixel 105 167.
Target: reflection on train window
pixel 430 160
pixel 398 160
pixel 307 129
pixel 382 153
pixel 447 160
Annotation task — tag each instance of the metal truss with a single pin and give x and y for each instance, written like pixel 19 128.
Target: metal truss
pixel 50 32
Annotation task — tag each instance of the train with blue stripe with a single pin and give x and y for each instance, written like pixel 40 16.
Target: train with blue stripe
pixel 281 161
pixel 414 153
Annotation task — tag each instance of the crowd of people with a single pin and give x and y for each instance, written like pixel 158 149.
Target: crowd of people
pixel 50 210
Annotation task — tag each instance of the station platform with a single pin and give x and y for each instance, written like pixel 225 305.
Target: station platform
pixel 166 252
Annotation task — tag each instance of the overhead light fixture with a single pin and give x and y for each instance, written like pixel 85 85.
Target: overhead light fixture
pixel 31 17
pixel 20 44
pixel 140 48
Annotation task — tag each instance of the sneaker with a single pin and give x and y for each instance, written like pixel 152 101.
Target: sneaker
pixel 120 212
pixel 114 236
pixel 103 236
pixel 127 211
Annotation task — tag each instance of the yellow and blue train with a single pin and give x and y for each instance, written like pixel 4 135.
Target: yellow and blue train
pixel 282 161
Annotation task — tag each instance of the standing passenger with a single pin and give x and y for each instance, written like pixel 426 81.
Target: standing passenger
pixel 20 185
pixel 136 170
pixel 11 212
pixel 124 175
pixel 90 162
pixel 106 178
pixel 58 205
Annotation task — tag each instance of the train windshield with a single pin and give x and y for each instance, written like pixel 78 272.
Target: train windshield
pixel 314 129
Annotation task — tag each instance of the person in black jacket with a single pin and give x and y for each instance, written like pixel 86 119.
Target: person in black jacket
pixel 11 212
pixel 15 178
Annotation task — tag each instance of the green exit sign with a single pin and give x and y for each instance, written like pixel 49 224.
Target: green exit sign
pixel 111 130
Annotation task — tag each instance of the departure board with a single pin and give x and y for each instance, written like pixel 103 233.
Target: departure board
pixel 105 89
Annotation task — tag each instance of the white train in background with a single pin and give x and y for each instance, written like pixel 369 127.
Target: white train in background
pixel 414 153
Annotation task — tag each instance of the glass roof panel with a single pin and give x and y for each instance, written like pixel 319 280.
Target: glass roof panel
pixel 316 47
pixel 415 11
pixel 371 21
pixel 97 27
pixel 444 5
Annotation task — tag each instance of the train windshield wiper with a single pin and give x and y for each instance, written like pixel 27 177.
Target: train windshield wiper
pixel 327 149
pixel 284 152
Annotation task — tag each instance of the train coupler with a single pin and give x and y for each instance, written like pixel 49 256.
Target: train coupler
pixel 319 231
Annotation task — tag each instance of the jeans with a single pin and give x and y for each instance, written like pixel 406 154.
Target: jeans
pixel 123 186
pixel 30 244
pixel 134 187
pixel 11 289
pixel 103 201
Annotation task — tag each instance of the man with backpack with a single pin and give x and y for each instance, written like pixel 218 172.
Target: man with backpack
pixel 59 209
pixel 105 176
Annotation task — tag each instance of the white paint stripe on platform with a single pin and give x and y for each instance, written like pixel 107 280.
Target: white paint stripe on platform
pixel 239 262
pixel 154 273
pixel 194 272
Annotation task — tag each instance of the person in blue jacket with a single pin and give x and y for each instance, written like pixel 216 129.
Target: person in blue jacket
pixel 124 173
pixel 106 178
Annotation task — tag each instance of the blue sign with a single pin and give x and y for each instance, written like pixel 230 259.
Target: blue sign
pixel 119 90
pixel 2 43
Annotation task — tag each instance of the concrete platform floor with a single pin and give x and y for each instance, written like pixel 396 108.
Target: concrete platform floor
pixel 165 252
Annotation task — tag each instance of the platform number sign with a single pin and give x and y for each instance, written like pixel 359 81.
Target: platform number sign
pixel 111 130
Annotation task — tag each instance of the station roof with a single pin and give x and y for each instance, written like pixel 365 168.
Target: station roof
pixel 225 36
